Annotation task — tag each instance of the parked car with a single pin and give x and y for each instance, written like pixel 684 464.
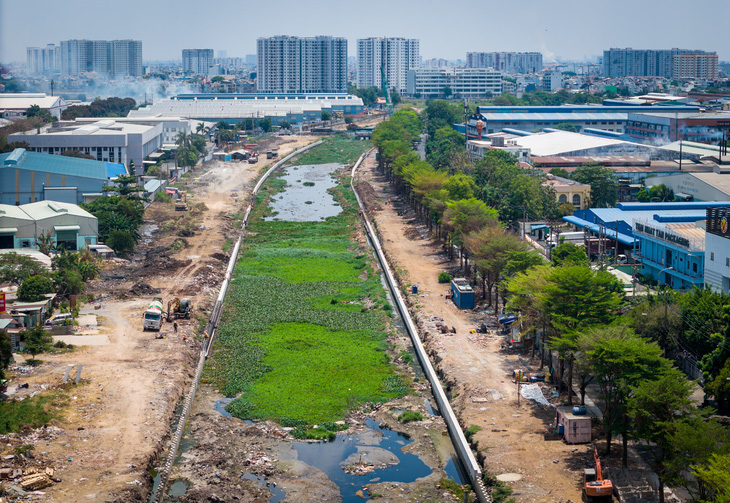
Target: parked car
pixel 60 319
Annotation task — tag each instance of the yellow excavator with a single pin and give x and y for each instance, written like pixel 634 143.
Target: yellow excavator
pixel 179 308
pixel 182 203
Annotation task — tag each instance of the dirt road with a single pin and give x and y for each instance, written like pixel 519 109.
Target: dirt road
pixel 117 420
pixel 473 366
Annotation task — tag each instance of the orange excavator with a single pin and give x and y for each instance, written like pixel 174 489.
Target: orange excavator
pixel 595 487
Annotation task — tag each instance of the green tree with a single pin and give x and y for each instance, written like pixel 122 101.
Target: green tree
pixel 41 113
pixel 602 182
pixel 576 298
pixel 459 186
pixel 694 442
pixel 561 172
pixel 657 406
pixel 186 154
pixel 524 292
pixel 68 281
pixel 121 241
pixel 568 253
pixel 567 126
pixel 35 288
pixel 265 124
pixel 716 477
pixel 326 115
pixel 660 194
pixel 490 248
pixel 466 216
pixel 719 388
pixel 395 97
pixel 16 268
pixel 521 261
pixel 36 340
pixel 619 360
pixel 446 91
pixel 45 243
pixel 217 79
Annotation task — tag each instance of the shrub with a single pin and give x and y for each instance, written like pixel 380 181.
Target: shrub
pixel 122 242
pixel 163 197
pixel 410 416
pixel 444 277
pixel 471 431
pixel 34 288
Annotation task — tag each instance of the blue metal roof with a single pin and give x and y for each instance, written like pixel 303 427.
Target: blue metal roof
pixel 60 164
pixel 610 233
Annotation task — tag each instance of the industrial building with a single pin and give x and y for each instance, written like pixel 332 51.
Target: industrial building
pixel 463 82
pixel 717 249
pixel 296 109
pixel 197 61
pixel 535 118
pixel 16 105
pixel 696 186
pixel 667 239
pixel 27 177
pixel 302 65
pixel 113 58
pixel 664 127
pixel 68 225
pixel 106 140
pixel 389 57
pixel 506 62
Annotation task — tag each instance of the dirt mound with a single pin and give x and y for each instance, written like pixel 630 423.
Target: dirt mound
pixel 140 289
pixel 220 256
pixel 368 196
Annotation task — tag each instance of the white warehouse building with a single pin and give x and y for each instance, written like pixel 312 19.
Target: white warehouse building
pixel 105 140
pixel 464 82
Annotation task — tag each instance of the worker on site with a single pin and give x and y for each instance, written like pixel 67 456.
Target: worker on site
pixel 174 326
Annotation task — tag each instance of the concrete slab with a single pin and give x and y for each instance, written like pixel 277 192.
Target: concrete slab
pixel 87 320
pixel 83 340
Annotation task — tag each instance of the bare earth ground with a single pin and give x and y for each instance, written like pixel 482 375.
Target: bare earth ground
pixel 473 367
pixel 118 418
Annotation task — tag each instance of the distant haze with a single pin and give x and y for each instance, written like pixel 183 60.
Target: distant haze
pixel 566 29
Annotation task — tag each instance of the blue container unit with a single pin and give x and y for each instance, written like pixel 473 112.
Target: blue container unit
pixel 462 293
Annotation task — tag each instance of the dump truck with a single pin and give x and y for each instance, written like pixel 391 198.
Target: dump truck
pixel 179 308
pixel 153 315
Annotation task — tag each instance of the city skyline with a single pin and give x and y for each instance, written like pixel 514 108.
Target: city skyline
pixel 563 29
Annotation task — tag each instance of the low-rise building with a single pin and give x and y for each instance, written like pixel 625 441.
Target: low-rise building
pixel 68 225
pixel 664 127
pixel 463 82
pixel 106 140
pixel 26 177
pixel 569 191
pixel 15 105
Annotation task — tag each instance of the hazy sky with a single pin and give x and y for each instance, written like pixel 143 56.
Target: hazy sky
pixel 567 29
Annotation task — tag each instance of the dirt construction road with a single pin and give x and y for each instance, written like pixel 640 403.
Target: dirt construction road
pixel 116 422
pixel 473 367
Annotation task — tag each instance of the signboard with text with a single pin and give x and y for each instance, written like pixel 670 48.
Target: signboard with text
pixel 718 221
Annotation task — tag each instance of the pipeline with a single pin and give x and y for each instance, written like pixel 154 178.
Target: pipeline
pixel 463 450
pixel 211 329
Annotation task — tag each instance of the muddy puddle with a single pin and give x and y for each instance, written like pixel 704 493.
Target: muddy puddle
pixel 306 198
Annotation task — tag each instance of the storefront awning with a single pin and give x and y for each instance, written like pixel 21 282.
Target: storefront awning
pixel 66 228
pixel 8 230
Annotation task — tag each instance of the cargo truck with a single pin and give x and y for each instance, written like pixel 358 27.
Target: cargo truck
pixel 153 315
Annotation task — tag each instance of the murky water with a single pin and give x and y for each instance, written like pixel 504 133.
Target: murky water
pixel 332 457
pixel 177 489
pixel 278 494
pixel 306 198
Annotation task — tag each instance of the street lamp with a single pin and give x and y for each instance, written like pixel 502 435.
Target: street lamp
pixel 663 270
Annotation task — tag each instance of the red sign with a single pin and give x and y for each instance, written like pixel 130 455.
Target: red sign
pixel 2 302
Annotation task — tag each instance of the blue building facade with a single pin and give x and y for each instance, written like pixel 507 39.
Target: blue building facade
pixel 27 177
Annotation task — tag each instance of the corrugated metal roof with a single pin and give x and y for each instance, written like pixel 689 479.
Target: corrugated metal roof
pixel 47 209
pixel 63 165
pixel 18 102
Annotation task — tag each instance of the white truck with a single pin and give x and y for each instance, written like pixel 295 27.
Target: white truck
pixel 153 315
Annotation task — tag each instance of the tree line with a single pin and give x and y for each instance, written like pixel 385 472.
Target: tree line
pixel 576 311
pixel 110 107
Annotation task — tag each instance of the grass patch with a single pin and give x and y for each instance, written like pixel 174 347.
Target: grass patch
pixel 295 338
pixel 471 431
pixel 410 417
pixel 33 412
pixel 454 488
pixel 341 149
